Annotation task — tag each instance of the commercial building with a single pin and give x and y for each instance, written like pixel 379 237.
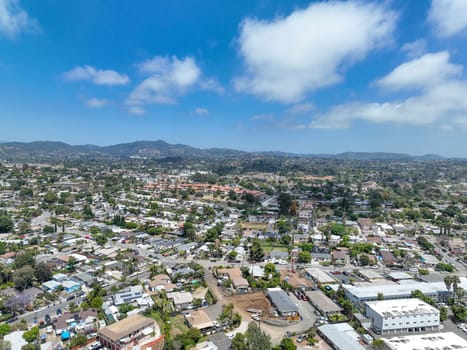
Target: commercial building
pixel 322 303
pixel 341 336
pixel 445 341
pixel 134 332
pixel 435 290
pixel 282 302
pixel 400 316
pixel 320 276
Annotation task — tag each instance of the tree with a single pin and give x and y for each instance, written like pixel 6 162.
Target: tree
pixel 78 340
pixel 4 329
pixel 6 225
pixel 460 312
pixel 31 335
pixel 285 201
pixel 448 280
pixel 23 277
pixel 87 212
pixel 256 251
pixel 43 272
pixel 304 257
pixel 189 230
pixel 239 342
pixel 23 259
pixel 257 339
pixel 364 260
pixel 287 344
pixel 50 197
pixel 443 314
pixel 378 344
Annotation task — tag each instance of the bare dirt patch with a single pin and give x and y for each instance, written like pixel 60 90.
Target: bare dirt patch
pixel 257 301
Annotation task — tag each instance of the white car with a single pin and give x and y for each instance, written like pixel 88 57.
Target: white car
pixel 256 317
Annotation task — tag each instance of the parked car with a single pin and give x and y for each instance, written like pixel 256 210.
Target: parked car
pixel 301 338
pixel 47 319
pixel 59 312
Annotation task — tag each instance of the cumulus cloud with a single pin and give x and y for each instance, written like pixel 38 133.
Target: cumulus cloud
pixel 440 102
pixel 309 49
pixel 14 20
pixel 415 48
pixel 135 110
pixel 96 76
pixel 201 111
pixel 211 84
pixel 449 17
pixel 96 102
pixel 168 78
pixel 300 108
pixel 428 70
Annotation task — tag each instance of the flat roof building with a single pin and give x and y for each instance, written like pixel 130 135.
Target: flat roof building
pixel 435 290
pixel 445 341
pixel 322 303
pixel 341 336
pixel 406 315
pixel 319 276
pixel 282 302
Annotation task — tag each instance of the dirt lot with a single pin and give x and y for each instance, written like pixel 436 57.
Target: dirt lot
pixel 250 301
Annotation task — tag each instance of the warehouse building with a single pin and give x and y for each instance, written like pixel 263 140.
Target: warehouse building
pixel 341 336
pixel 322 303
pixel 402 316
pixel 445 341
pixel 282 302
pixel 435 290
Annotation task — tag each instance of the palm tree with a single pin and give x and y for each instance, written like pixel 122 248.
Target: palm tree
pixel 448 280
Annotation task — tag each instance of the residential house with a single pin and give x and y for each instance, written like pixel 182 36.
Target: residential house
pixel 239 283
pixel 181 300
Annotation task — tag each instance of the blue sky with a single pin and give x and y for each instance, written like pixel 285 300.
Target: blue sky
pixel 296 76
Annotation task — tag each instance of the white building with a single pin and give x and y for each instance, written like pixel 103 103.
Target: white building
pixel 446 340
pixel 400 316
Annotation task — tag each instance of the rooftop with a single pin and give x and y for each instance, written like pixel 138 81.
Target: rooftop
pixel 342 335
pixel 401 307
pixel 126 326
pixel 445 341
pixel 281 300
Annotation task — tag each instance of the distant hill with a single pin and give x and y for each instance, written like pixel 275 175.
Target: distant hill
pixel 44 150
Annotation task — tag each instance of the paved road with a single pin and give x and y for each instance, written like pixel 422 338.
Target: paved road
pixel 51 310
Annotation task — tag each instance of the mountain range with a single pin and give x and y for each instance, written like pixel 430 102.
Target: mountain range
pixel 162 149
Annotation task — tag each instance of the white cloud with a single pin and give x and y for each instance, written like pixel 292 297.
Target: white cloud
pixel 169 78
pixel 96 102
pixel 449 17
pixel 201 111
pixel 14 20
pixel 262 117
pixel 415 48
pixel 211 84
pixel 441 101
pixel 300 108
pixel 422 72
pixel 289 56
pixel 96 76
pixel 136 110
